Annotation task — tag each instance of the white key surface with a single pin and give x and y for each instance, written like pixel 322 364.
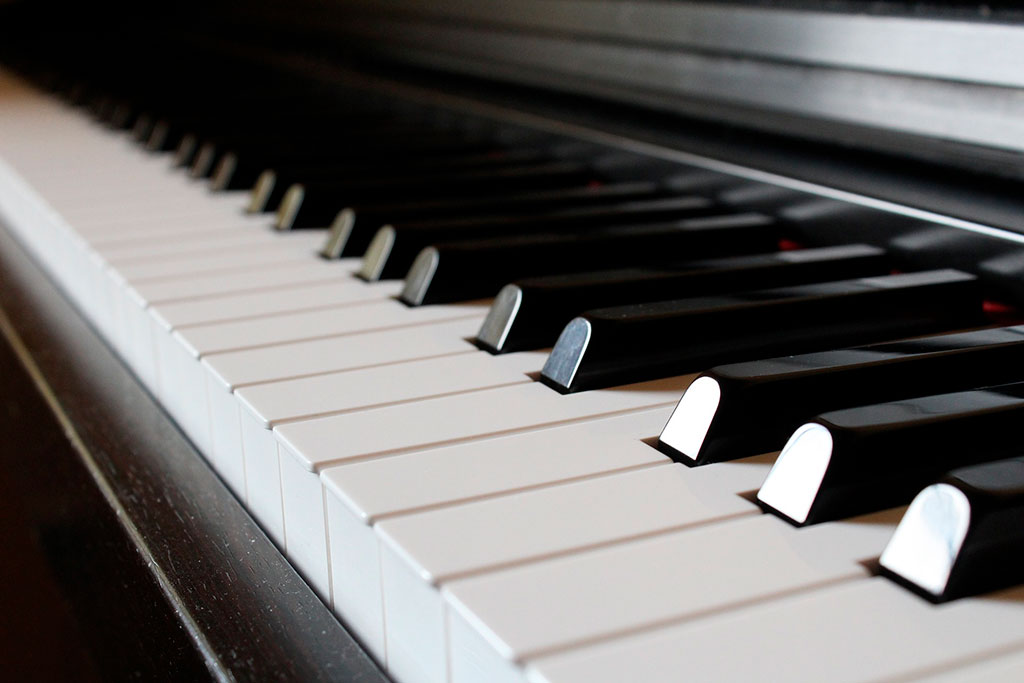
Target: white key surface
pixel 285 327
pixel 610 592
pixel 630 575
pixel 232 307
pixel 337 392
pixel 866 630
pixel 304 358
pixel 406 483
pixel 394 429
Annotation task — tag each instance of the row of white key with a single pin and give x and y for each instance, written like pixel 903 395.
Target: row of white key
pixel 497 530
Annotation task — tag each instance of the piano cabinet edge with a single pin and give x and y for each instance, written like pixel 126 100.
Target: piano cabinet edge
pixel 143 563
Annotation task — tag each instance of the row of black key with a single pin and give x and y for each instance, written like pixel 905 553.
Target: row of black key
pixel 681 306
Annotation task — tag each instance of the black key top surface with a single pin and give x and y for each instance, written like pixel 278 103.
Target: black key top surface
pixel 634 343
pixel 963 535
pixel 858 460
pixel 751 408
pixel 529 314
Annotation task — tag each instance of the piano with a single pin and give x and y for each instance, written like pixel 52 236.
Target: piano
pixel 529 341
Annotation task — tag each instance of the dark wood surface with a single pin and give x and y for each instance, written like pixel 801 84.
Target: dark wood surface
pixel 125 556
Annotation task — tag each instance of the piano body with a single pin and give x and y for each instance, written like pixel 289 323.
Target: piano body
pixel 199 396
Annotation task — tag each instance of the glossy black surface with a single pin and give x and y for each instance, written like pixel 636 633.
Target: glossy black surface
pixel 72 580
pixel 287 174
pixel 992 553
pixel 762 402
pixel 546 304
pixel 409 238
pixel 884 453
pixel 368 218
pixel 468 270
pixel 324 199
pixel 635 343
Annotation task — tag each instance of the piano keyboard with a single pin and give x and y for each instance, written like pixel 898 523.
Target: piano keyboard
pixel 467 521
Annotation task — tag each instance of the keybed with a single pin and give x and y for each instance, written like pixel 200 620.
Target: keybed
pixel 481 505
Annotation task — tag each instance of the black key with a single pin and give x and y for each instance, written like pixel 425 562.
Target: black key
pixel 858 460
pixel 143 127
pixel 760 197
pixel 312 145
pixel 395 247
pixel 478 156
pixel 963 535
pixel 185 151
pixel 629 344
pixel 364 221
pixel 529 314
pixel 462 271
pixel 734 411
pixel 164 137
pixel 240 171
pixel 314 205
pixel 123 115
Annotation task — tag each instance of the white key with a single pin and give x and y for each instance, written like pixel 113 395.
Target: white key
pixel 285 327
pixel 303 520
pixel 999 669
pixel 339 392
pixel 542 608
pixel 384 487
pixel 393 430
pixel 188 217
pixel 180 380
pixel 183 381
pixel 226 372
pixel 304 448
pixel 361 493
pixel 455 542
pixel 153 196
pixel 230 307
pixel 180 289
pixel 240 268
pixel 257 254
pixel 867 630
pixel 156 250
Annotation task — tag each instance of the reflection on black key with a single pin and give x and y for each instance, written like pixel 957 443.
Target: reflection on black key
pixel 628 344
pixel 393 249
pixel 744 409
pixel 760 197
pixel 460 271
pixel 529 314
pixel 314 205
pixel 962 536
pixel 366 220
pixel 849 462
